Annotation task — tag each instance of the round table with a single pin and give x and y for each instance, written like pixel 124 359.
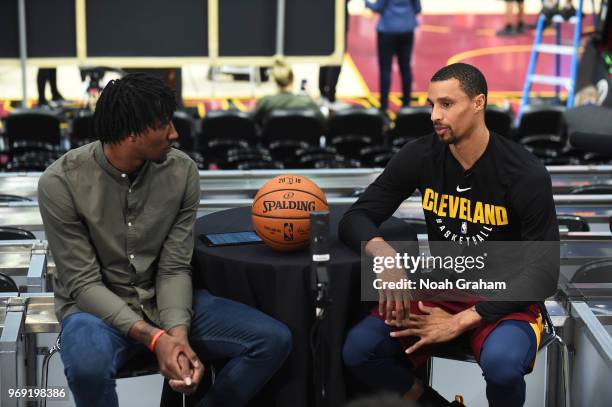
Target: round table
pixel 278 283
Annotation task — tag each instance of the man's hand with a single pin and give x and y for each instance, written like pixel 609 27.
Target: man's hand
pixel 393 305
pixel 191 372
pixel 167 351
pixel 437 326
pixel 167 348
pixel 191 368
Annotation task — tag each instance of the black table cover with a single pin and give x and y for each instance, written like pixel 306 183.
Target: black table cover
pixel 279 284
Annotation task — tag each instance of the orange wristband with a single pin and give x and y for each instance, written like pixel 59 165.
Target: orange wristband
pixel 157 335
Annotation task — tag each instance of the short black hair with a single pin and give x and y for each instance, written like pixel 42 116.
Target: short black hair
pixel 131 105
pixel 471 80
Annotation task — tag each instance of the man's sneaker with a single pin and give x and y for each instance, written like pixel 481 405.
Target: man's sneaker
pixel 506 31
pixel 431 398
pixel 458 402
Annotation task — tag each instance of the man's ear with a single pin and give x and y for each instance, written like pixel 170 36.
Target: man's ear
pixel 479 102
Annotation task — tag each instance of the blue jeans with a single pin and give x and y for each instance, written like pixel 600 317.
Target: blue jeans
pixel 255 344
pixel 377 360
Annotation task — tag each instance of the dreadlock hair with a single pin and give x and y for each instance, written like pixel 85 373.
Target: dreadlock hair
pixel 131 105
pixel 471 80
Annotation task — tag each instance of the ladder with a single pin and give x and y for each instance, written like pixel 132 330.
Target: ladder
pixel 557 49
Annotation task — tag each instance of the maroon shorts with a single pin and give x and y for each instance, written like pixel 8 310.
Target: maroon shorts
pixel 475 337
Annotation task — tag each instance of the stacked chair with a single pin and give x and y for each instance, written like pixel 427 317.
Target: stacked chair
pixel 223 131
pixel 292 134
pixel 32 139
pixel 410 124
pixel 354 129
pixel 82 131
pixel 542 132
pixel 297 138
pixel 589 129
pixel 186 128
pixel 499 121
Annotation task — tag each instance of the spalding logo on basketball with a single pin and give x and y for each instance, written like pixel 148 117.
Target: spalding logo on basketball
pixel 281 211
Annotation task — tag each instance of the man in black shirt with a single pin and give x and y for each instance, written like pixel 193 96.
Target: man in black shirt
pixel 476 186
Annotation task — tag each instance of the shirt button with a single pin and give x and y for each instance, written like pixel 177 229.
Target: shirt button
pixel 123 175
pixel 130 190
pixel 129 223
pixel 131 256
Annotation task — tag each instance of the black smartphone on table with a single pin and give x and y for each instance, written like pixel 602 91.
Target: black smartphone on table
pixel 230 238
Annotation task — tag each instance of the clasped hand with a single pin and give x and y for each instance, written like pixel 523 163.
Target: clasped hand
pixel 178 362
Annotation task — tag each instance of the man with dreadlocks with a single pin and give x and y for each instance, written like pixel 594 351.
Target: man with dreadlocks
pixel 119 214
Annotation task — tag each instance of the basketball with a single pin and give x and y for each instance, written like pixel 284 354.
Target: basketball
pixel 281 211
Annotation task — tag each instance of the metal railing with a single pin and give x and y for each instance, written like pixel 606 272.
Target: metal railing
pixel 336 182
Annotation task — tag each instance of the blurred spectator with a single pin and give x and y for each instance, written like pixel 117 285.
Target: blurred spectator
pixel 551 7
pixel 47 75
pixel 328 75
pixel 510 18
pixel 285 98
pixel 395 36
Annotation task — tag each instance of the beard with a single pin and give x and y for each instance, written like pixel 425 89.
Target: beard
pixel 448 138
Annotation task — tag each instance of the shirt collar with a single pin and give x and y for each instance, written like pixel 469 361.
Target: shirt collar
pixel 103 162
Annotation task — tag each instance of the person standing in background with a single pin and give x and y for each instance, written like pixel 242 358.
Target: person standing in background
pixel 328 75
pixel 549 9
pixel 395 36
pixel 552 7
pixel 43 76
pixel 510 18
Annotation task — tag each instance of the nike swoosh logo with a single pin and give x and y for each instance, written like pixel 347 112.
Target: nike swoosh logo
pixel 463 189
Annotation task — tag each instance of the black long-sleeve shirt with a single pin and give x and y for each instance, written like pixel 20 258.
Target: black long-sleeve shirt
pixel 505 196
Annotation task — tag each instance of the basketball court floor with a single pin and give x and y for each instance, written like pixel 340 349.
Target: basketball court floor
pixel 450 31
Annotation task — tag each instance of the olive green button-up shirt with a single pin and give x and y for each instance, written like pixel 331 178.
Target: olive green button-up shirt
pixel 122 249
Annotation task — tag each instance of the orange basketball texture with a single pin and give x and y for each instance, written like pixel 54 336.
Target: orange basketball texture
pixel 281 211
